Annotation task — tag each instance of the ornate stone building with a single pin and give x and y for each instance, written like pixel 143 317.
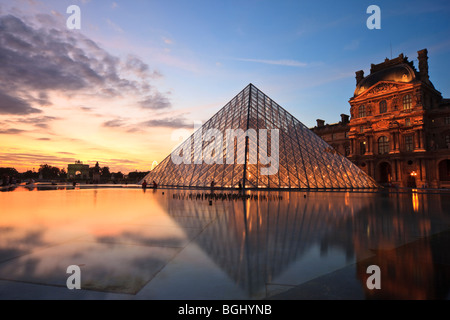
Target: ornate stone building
pixel 399 131
pixel 335 134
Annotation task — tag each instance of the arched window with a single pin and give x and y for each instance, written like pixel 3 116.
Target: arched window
pixel 407 101
pixel 362 111
pixel 383 106
pixel 383 145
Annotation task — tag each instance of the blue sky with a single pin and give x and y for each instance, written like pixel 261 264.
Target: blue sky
pixel 199 54
pixel 215 48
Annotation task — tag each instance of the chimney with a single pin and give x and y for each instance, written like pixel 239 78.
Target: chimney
pixel 344 118
pixel 359 76
pixel 320 123
pixel 423 64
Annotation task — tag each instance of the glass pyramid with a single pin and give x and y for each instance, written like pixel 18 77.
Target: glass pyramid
pixel 299 159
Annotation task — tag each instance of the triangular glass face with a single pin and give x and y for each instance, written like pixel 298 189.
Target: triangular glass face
pixel 252 142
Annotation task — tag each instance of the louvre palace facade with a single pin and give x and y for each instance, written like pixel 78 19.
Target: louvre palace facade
pixel 398 131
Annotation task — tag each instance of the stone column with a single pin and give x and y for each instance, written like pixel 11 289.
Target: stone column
pixel 369 150
pixel 416 140
pixel 392 144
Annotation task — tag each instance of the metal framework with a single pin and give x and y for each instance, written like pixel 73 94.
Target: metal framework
pixel 305 160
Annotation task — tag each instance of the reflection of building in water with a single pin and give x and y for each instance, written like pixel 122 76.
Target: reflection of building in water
pixel 411 270
pixel 255 242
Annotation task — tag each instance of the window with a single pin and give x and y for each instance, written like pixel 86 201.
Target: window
pixel 361 129
pixel 346 134
pixel 407 101
pixel 447 141
pixel 362 147
pixel 362 111
pixel 383 106
pixel 447 120
pixel 407 122
pixel 383 145
pixel 409 143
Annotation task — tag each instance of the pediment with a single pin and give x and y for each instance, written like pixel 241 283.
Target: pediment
pixel 382 88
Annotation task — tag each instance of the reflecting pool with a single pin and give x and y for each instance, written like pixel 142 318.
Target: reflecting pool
pixel 188 244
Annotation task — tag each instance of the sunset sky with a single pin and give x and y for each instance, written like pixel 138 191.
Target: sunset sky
pixel 115 90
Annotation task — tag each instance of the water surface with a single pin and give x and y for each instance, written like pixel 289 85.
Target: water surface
pixel 133 244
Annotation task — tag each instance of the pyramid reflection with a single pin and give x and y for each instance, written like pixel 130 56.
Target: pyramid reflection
pixel 256 242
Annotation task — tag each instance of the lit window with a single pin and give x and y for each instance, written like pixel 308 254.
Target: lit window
pixel 383 106
pixel 407 101
pixel 362 111
pixel 409 143
pixel 383 145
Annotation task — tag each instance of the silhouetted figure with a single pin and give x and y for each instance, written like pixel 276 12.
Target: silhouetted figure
pixel 144 185
pixel 154 184
pixel 212 185
pixel 240 186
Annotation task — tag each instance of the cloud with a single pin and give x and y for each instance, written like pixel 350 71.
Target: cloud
pixel 155 102
pixel 86 109
pixel 140 68
pixel 114 123
pixel 114 5
pixel 169 123
pixel 34 157
pixel 11 131
pixel 37 58
pixel 11 105
pixel 43 139
pixel 40 122
pixel 287 63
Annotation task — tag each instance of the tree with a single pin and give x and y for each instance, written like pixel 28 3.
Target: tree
pixel 137 176
pixel 105 174
pixel 10 172
pixel 30 175
pixel 49 172
pixel 63 174
pixel 118 176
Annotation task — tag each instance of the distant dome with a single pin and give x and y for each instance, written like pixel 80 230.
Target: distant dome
pixel 398 73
